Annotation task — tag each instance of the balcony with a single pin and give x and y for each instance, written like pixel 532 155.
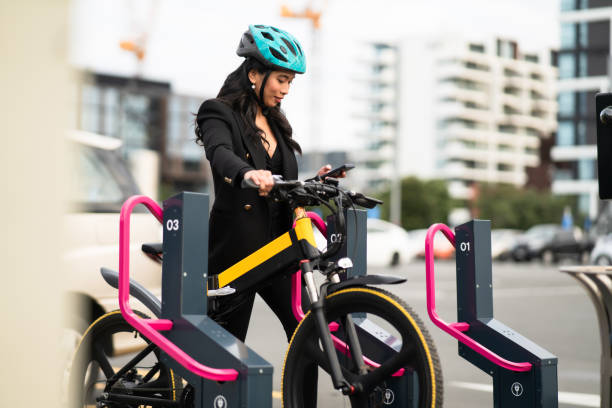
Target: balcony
pixel 448 90
pixel 458 150
pixel 459 110
pixel 460 71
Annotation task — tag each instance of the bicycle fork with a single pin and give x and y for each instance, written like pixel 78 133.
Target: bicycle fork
pixel 318 310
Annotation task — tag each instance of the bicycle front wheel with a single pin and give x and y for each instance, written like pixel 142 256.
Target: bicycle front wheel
pixel 114 366
pixel 401 361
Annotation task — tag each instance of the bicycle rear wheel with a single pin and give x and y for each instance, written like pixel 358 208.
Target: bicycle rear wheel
pixel 389 333
pixel 114 366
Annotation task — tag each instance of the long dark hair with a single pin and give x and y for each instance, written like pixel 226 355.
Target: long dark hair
pixel 238 94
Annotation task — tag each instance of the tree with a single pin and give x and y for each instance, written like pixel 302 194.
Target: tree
pixel 511 207
pixel 424 202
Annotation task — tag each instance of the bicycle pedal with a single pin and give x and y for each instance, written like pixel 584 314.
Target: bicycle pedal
pixel 224 291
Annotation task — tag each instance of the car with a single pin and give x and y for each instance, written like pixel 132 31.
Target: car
pixel 99 182
pixel 442 248
pixel 502 242
pixel 602 251
pixel 388 244
pixel 568 244
pixel 534 241
pixel 551 243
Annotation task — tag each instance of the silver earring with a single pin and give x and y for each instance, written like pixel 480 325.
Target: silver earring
pixel 253 86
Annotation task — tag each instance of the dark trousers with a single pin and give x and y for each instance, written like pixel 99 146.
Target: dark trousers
pixel 233 313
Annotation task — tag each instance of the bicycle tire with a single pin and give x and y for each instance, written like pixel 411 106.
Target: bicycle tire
pixel 93 366
pixel 378 304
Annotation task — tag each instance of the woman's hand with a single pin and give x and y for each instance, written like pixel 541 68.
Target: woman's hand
pixel 327 168
pixel 263 178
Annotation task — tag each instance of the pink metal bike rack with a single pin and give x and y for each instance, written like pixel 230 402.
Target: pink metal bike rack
pixel 456 329
pixel 150 328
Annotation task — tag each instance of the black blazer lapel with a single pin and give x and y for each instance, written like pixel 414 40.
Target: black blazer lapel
pixel 254 147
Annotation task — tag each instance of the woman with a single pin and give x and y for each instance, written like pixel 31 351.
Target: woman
pixel 247 136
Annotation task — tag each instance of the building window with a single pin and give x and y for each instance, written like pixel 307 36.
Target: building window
pixel 568 35
pixel 567 67
pixel 586 169
pixel 568 5
pixel 535 76
pixel 565 134
pixel 582 133
pixel 583 35
pixel 477 48
pixel 511 73
pixel 567 103
pixel 507 128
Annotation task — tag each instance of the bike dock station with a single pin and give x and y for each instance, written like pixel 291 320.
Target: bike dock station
pixel 524 374
pixel 186 335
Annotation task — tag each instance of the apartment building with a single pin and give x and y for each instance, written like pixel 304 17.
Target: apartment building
pixel 493 105
pixel 583 72
pixel 376 109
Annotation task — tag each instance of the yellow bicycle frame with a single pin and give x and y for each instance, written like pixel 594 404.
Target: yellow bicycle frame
pixel 294 245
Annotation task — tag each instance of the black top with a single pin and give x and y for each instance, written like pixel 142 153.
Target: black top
pixel 275 165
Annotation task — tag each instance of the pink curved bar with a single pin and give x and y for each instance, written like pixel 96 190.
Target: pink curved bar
pixel 150 327
pixel 456 329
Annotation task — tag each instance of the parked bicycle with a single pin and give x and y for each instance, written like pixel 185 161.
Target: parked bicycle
pixel 346 316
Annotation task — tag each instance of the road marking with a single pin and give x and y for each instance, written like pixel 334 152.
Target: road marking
pixel 574 398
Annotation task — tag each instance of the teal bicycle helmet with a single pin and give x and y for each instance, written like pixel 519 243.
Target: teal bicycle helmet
pixel 272 47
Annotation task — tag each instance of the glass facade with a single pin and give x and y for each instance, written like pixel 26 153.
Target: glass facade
pixel 567 65
pixel 565 134
pixel 584 53
pixel 568 36
pixel 567 103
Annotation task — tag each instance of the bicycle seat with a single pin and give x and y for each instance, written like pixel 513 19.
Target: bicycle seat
pixel 152 249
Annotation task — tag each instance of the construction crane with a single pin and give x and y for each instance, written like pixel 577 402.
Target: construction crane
pixel 308 13
pixel 142 22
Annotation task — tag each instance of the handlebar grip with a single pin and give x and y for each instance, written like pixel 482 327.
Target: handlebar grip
pixel 248 183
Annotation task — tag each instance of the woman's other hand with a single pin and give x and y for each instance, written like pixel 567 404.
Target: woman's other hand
pixel 263 178
pixel 326 169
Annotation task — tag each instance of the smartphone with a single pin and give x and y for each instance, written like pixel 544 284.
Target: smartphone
pixel 337 171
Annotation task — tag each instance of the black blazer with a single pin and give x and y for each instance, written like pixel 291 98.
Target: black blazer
pixel 240 219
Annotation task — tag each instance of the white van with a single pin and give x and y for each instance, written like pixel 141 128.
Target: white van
pixel 100 182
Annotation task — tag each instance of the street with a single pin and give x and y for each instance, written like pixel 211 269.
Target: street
pixel 536 300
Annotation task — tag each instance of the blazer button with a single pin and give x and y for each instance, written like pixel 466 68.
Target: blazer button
pixel 248 155
pixel 248 207
pixel 228 180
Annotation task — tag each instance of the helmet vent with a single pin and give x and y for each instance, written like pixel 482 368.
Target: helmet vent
pixel 299 48
pixel 289 45
pixel 277 54
pixel 276 29
pixel 249 37
pixel 260 26
pixel 267 36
